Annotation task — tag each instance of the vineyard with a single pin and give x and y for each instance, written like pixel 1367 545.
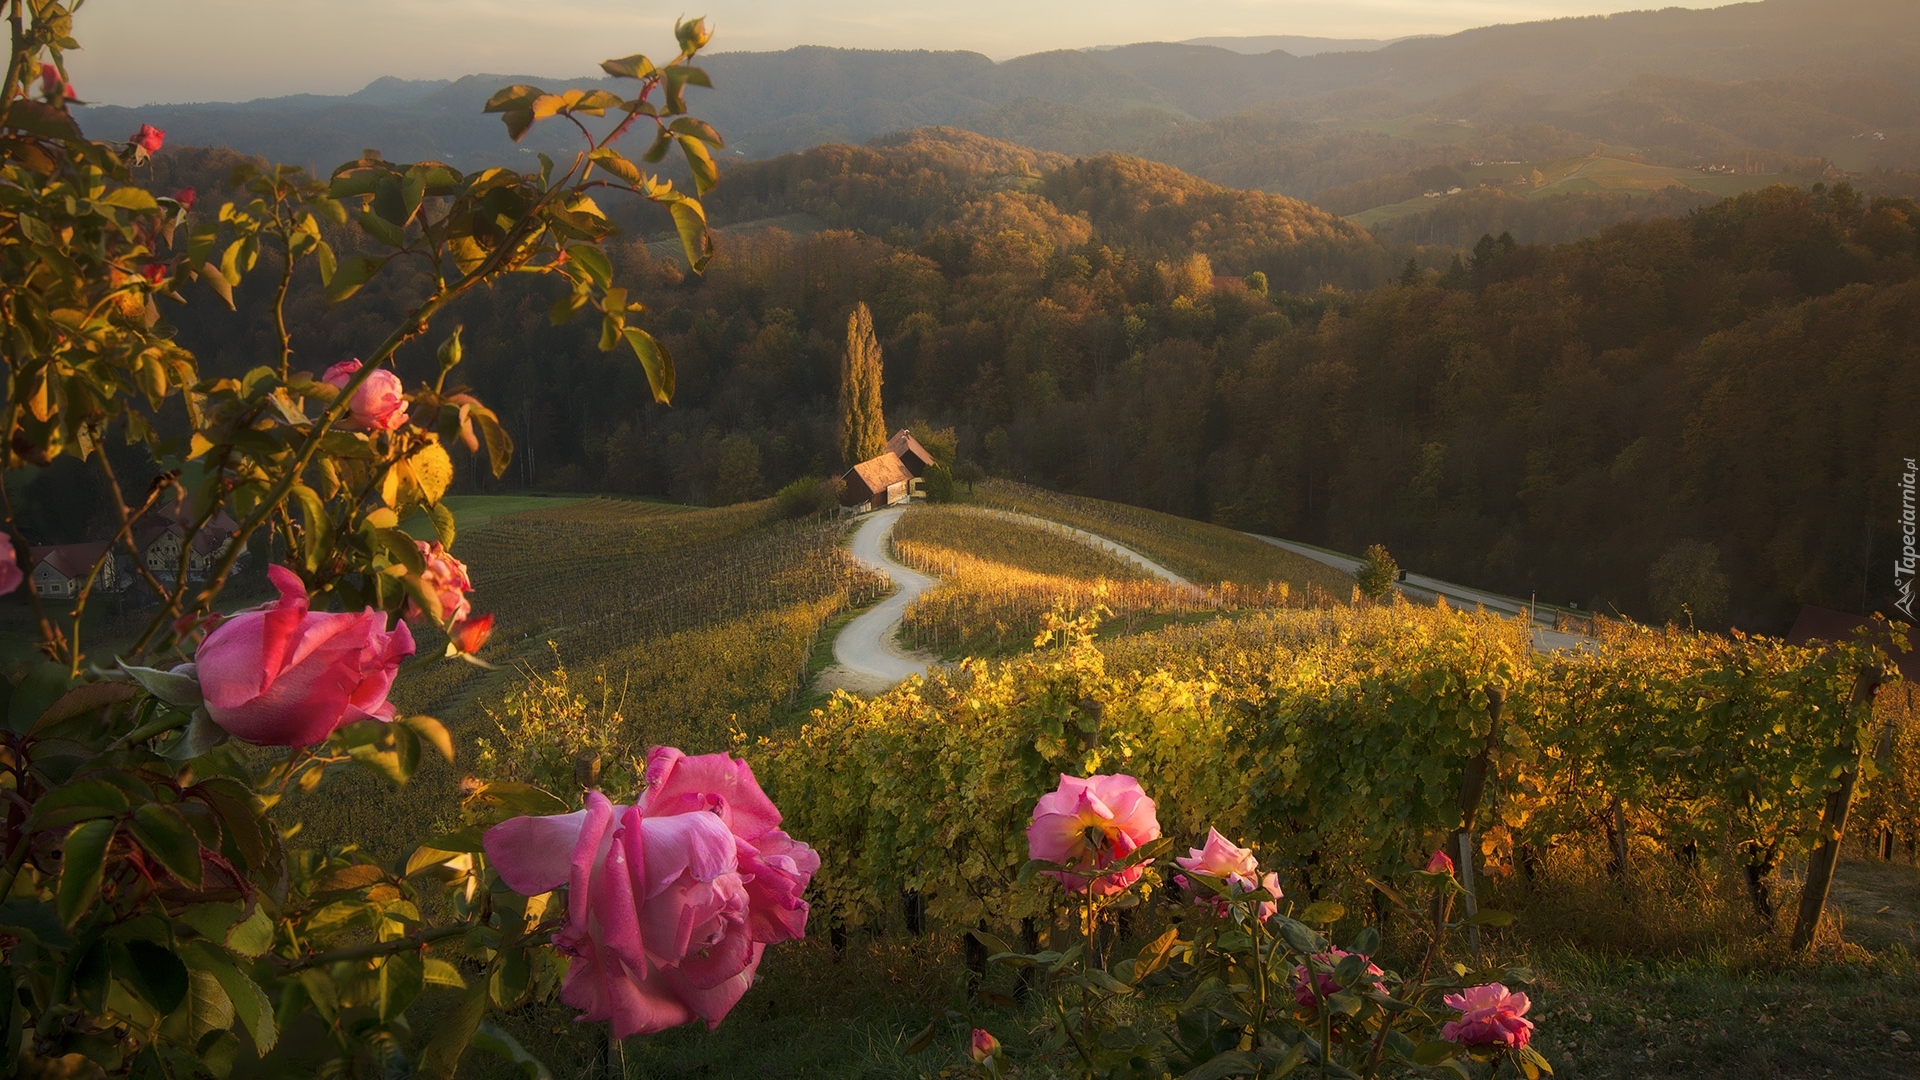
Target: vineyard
pixel 1010 543
pixel 1000 580
pixel 1196 550
pixel 1341 740
pixel 700 620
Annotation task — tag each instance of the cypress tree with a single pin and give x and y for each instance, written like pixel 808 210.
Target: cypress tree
pixel 863 430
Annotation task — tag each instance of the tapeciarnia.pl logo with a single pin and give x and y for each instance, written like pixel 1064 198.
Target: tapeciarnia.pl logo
pixel 1903 567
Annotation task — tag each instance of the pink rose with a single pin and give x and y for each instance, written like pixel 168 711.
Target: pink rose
pixel 1219 858
pixel 1489 1016
pixel 670 902
pixel 982 1046
pixel 378 405
pixel 1091 824
pixel 1306 982
pixel 1439 864
pixel 10 573
pixel 284 675
pixel 446 578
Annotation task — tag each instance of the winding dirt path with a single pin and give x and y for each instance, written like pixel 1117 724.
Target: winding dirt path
pixel 866 658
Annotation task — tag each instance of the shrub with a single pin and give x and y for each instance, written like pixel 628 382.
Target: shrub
pixel 1377 574
pixel 807 497
pixel 938 483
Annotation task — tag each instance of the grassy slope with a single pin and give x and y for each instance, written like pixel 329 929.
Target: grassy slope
pixel 1204 553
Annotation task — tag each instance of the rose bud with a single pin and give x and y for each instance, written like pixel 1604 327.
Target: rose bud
pixel 378 404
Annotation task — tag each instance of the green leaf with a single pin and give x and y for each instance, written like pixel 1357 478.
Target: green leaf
pixel 165 834
pixel 657 362
pixel 402 977
pixel 253 935
pixel 216 281
pixel 1434 1052
pixel 615 163
pixel 1154 954
pixel 207 1008
pixel 629 67
pixel 78 800
pixel 84 698
pixel 453 1032
pixel 36 692
pixel 155 973
pixel 81 867
pixel 382 230
pixel 351 274
pixel 697 129
pixel 316 526
pixel 128 198
pixel 1323 912
pixel 594 262
pixel 502 1045
pixel 691 221
pixel 444 523
pixel 201 736
pixel 250 1004
pixel 328 264
pixel 705 172
pixel 432 731
pixel 441 973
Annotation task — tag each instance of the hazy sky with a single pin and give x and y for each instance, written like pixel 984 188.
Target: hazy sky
pixel 140 51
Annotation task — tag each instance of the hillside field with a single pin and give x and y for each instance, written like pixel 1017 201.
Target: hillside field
pixel 623 624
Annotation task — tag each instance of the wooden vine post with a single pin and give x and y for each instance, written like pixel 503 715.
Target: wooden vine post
pixel 1473 787
pixel 1833 823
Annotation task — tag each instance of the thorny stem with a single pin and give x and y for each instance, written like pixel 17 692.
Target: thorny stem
pixel 127 518
pixel 410 943
pixel 16 63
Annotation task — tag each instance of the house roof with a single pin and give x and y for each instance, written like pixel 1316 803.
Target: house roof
pixel 157 523
pixel 872 476
pixel 908 449
pixel 71 560
pixel 1816 624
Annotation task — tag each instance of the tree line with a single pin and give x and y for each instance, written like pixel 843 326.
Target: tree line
pixel 1697 418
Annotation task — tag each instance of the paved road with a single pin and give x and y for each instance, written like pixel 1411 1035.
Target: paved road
pixel 866 657
pixel 1422 587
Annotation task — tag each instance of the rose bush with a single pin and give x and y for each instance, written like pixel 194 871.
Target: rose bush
pixel 159 918
pixel 286 675
pixel 671 901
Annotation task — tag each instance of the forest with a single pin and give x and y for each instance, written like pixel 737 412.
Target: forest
pixel 1560 420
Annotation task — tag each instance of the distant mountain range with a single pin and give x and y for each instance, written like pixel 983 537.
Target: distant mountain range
pixel 1770 86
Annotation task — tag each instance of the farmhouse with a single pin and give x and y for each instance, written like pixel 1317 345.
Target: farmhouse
pixel 159 537
pixel 911 454
pixel 61 571
pixel 893 476
pixel 876 483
